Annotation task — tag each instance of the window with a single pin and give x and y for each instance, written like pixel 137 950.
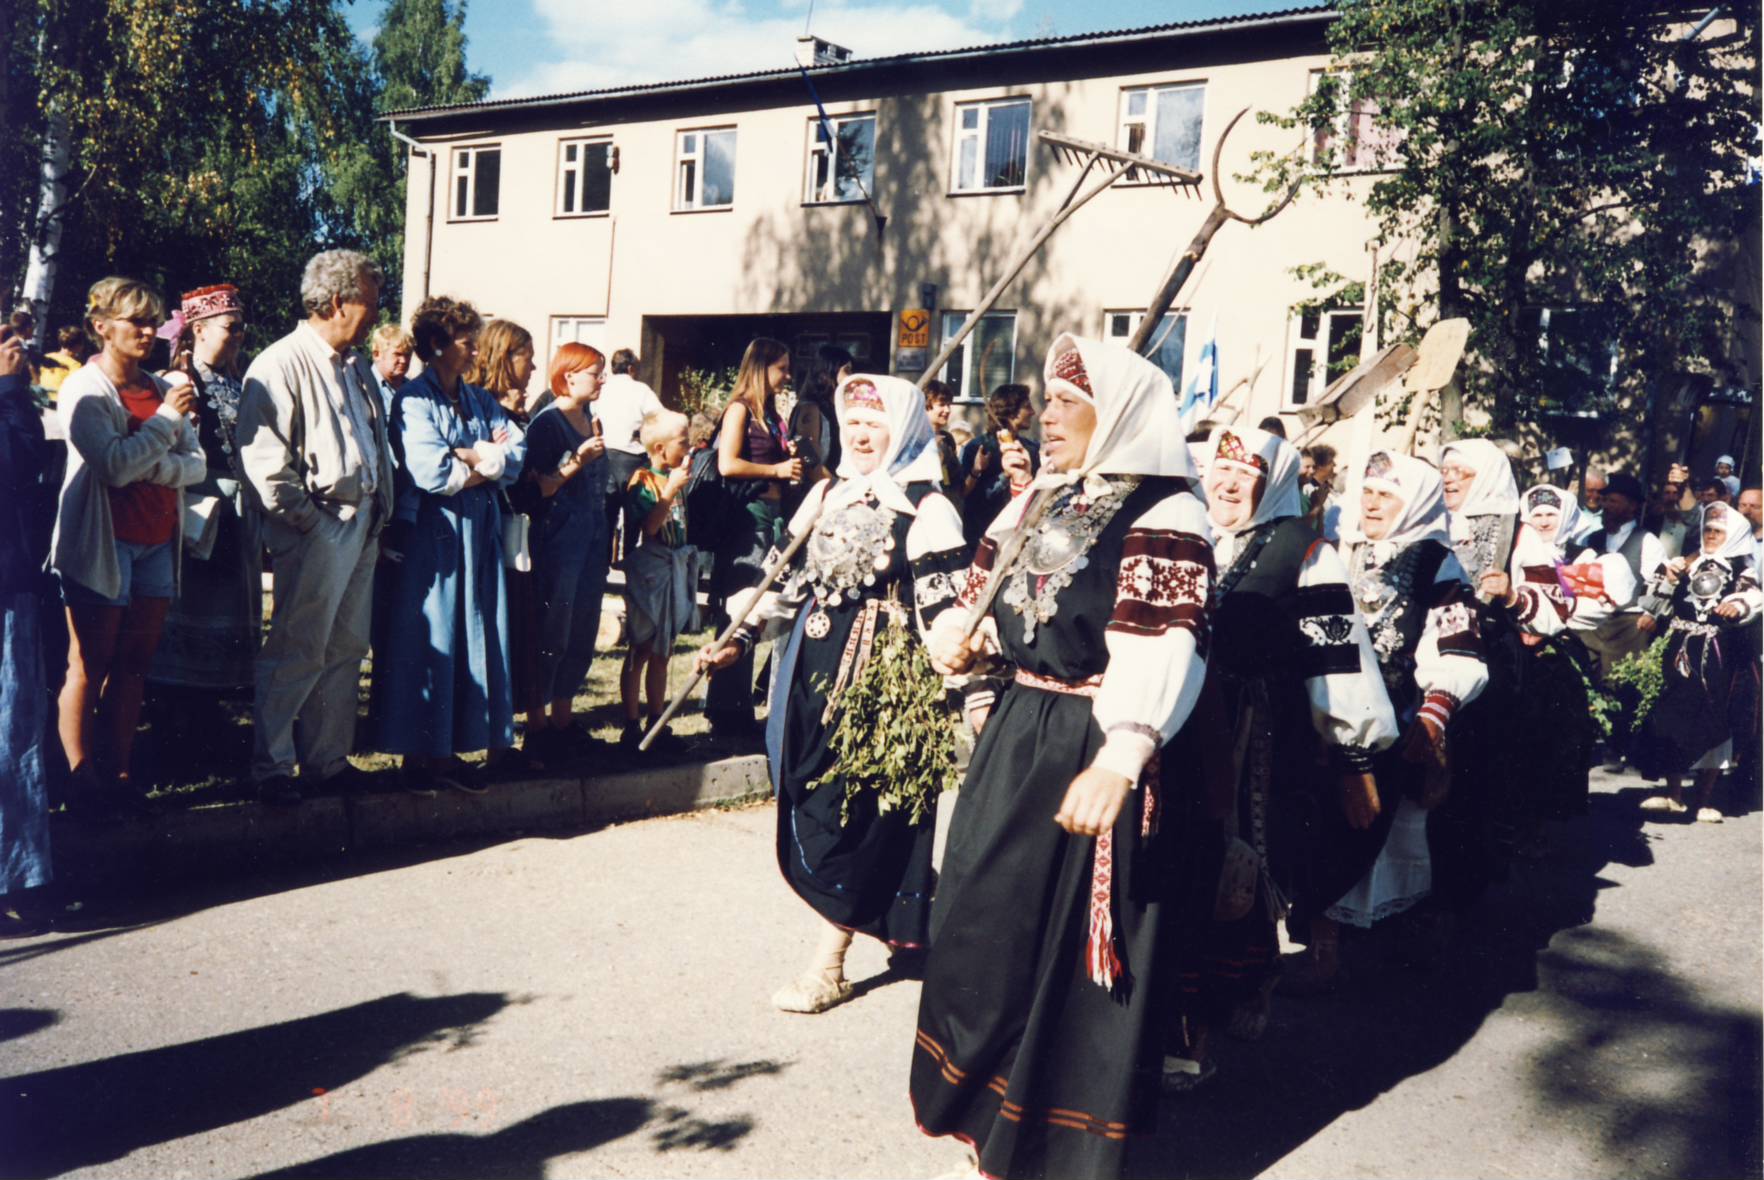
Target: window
pixel 584 177
pixel 580 329
pixel 992 145
pixel 477 181
pixel 1359 142
pixel 1164 122
pixel 843 168
pixel 1168 342
pixel 1325 344
pixel 986 359
pixel 706 170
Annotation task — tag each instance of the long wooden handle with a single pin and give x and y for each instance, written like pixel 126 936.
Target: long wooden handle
pixel 771 575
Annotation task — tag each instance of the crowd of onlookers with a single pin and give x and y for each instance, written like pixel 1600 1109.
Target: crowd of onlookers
pixel 459 528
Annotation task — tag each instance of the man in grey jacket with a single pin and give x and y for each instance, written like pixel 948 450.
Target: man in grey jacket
pixel 316 454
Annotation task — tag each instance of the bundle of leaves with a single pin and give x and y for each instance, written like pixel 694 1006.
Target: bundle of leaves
pixel 895 736
pixel 1635 682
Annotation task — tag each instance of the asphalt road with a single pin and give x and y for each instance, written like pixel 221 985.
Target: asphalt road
pixel 597 1006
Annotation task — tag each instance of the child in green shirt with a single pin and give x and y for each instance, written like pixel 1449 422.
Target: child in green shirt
pixel 661 582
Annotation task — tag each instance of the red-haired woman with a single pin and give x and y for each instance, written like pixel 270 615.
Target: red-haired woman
pixel 566 460
pixel 753 455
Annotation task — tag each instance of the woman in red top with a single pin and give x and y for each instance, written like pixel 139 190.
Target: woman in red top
pixel 132 451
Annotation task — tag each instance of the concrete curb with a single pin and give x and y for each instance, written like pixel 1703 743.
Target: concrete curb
pixel 237 838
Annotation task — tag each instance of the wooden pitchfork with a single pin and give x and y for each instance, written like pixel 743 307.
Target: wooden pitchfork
pixel 1090 157
pixel 1042 498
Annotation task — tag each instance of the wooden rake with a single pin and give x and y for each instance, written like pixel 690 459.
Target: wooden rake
pixel 1112 165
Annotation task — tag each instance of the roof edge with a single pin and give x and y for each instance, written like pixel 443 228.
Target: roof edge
pixel 1314 13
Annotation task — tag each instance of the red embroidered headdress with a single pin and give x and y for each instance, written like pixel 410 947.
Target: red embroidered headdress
pixel 1232 450
pixel 211 301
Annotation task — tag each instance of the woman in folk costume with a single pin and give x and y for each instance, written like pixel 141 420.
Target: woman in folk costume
pixel 1304 712
pixel 1553 599
pixel 1413 596
pixel 1037 1043
pixel 1709 604
pixel 886 546
pixel 1475 827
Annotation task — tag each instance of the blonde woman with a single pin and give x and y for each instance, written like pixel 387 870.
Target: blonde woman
pixel 755 460
pixel 132 449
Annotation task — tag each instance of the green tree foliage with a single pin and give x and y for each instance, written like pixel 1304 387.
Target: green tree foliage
pixel 1569 154
pixel 418 59
pixel 221 140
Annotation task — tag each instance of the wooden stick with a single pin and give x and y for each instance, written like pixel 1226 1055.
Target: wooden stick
pixel 1074 201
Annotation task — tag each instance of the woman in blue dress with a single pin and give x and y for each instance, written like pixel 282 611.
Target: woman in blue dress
pixel 566 460
pixel 441 665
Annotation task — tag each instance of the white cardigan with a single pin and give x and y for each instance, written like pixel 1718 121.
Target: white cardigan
pixel 102 454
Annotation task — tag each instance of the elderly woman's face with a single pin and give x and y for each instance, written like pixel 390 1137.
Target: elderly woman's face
pixel 459 356
pixel 1066 426
pixel 1378 512
pixel 221 333
pixel 866 441
pixel 1545 521
pixel 1714 537
pixel 1456 478
pixel 1232 495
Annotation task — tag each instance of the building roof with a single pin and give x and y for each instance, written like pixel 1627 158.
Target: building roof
pixel 1302 14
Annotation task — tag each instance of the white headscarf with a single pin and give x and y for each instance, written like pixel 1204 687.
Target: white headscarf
pixel 912 455
pixel 1264 454
pixel 1413 481
pixel 1739 541
pixel 1531 546
pixel 1138 431
pixel 1493 490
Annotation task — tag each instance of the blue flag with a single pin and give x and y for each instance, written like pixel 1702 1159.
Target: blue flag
pixel 1203 387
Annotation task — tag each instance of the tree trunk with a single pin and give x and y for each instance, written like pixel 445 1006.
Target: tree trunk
pixel 39 285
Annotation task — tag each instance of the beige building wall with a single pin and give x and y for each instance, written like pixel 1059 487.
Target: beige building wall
pixel 771 253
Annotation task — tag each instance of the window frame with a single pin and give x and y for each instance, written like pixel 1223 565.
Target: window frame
pixel 957 134
pixel 1135 315
pixel 679 203
pixel 470 174
pixel 814 149
pixel 579 171
pixel 1343 126
pixel 1296 340
pixel 557 339
pixel 1149 119
pixel 947 326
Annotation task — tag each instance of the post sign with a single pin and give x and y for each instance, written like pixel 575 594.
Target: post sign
pixel 915 329
pixel 912 342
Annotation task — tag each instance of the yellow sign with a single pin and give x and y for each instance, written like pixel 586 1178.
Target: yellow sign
pixel 915 328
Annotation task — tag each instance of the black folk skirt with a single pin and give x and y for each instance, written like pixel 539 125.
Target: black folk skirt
pixel 1018 1053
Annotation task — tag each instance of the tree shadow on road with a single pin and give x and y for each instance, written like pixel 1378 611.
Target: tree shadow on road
pixel 1669 1080
pixel 1325 1056
pixel 522 1150
pixel 517 1152
pixel 22 1022
pixel 79 1116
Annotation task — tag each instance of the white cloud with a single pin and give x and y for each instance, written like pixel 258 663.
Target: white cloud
pixel 637 41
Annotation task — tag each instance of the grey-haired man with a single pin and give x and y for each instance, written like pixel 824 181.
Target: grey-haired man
pixel 317 458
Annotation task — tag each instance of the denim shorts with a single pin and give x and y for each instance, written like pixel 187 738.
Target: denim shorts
pixel 147 572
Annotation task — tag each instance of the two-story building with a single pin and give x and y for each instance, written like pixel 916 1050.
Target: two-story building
pixel 684 218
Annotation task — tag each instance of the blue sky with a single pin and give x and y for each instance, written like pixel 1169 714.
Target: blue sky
pixel 547 46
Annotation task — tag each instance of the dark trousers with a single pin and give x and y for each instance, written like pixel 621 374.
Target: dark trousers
pixel 620 467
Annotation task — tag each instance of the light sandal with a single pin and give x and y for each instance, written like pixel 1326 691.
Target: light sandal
pixel 1709 815
pixel 811 993
pixel 1664 804
pixel 1183 1075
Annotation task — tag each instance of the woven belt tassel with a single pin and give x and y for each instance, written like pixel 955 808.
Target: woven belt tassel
pixel 1102 961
